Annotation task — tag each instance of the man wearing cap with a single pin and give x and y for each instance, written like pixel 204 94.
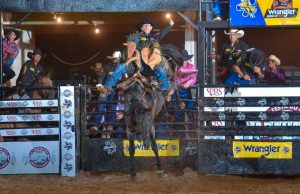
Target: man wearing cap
pixel 31 69
pixel 272 74
pixel 10 52
pixel 145 41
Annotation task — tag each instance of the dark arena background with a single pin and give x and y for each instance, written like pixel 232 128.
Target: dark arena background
pixel 228 138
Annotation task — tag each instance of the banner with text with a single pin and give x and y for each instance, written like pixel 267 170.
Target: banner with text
pixel 264 13
pixel 269 150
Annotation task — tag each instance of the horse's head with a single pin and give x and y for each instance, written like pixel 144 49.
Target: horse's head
pixel 44 83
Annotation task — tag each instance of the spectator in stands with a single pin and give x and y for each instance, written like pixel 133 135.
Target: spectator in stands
pixel 220 9
pixel 95 77
pixel 107 71
pixel 185 77
pixel 10 52
pixel 120 119
pixel 272 74
pixel 31 69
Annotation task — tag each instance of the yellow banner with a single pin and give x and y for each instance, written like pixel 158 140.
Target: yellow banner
pixel 165 148
pixel 280 12
pixel 269 150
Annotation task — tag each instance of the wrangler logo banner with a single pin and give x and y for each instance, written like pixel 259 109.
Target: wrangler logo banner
pixel 264 12
pixel 269 150
pixel 165 148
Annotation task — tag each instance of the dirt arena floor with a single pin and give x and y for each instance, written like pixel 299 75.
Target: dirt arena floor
pixel 184 182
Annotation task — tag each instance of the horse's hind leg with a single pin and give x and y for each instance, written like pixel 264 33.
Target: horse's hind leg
pixel 132 170
pixel 155 150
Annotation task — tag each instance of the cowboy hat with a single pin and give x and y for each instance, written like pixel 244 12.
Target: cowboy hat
pixel 185 56
pixel 115 55
pixel 145 21
pixel 8 31
pixel 36 51
pixel 274 58
pixel 235 31
pixel 98 67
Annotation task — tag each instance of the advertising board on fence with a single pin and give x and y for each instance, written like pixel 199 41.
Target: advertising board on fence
pixel 29 157
pixel 264 12
pixel 269 150
pixel 165 148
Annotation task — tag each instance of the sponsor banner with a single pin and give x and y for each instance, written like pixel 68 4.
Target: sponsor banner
pixel 67 127
pixel 265 122
pixel 29 157
pixel 29 132
pixel 29 117
pixel 165 148
pixel 214 92
pixel 269 150
pixel 28 103
pixel 264 12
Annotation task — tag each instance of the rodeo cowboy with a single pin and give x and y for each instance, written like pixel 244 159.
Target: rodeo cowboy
pixel 31 68
pixel 147 43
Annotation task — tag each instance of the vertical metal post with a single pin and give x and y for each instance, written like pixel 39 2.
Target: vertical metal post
pixel 1 47
pixel 200 11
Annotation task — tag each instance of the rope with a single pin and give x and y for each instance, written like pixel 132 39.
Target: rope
pixel 75 64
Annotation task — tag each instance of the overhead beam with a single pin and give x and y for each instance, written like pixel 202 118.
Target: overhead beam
pixel 97 5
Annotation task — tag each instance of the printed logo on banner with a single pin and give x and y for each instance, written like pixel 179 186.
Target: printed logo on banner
pixel 67 103
pixel 68 145
pixel 68 156
pixel 262 102
pixel 50 117
pixel 67 114
pixel 214 92
pixel 67 135
pixel 68 167
pixel 110 147
pixel 25 103
pixel 269 150
pixel 39 157
pixel 191 148
pixel 248 8
pixel 67 93
pixel 49 131
pixel 281 9
pixel 67 124
pixel 36 118
pixel 50 102
pixel 4 158
pixel 165 148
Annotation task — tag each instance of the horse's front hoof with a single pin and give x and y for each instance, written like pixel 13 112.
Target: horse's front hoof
pixel 160 173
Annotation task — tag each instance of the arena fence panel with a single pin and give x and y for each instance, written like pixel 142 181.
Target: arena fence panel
pixel 38 135
pixel 104 145
pixel 249 130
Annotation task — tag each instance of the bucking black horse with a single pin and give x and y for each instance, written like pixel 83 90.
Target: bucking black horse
pixel 143 102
